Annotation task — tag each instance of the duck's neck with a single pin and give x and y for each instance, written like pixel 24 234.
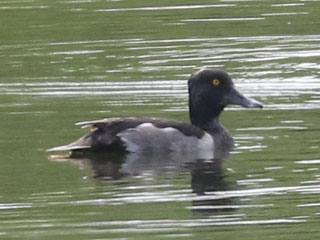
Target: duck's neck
pixel 210 123
pixel 206 119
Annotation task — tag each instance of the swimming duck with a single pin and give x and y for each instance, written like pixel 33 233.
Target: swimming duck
pixel 210 91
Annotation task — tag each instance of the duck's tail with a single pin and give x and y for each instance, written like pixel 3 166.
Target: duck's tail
pixel 81 144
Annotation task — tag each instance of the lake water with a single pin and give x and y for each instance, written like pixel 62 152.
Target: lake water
pixel 63 62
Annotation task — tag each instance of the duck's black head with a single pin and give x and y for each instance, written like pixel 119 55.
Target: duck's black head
pixel 210 91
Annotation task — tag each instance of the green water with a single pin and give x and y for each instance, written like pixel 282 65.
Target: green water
pixel 63 62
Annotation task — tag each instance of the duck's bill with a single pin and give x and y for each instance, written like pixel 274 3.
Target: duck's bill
pixel 236 98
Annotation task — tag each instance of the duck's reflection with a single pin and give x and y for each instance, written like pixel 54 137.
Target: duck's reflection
pixel 116 165
pixel 207 175
pixel 104 166
pixel 208 178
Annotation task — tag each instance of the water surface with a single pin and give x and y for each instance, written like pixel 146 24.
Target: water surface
pixel 63 62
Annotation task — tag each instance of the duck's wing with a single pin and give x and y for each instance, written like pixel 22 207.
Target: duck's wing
pixel 138 134
pixel 103 135
pixel 100 122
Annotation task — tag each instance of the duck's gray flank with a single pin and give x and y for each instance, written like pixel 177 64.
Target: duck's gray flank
pixel 166 139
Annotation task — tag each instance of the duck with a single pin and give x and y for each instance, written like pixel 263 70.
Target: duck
pixel 204 137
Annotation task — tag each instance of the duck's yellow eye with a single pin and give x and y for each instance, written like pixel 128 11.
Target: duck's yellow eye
pixel 216 82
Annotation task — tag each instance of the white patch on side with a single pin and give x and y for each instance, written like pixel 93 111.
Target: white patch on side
pixel 206 147
pixel 169 129
pixel 146 125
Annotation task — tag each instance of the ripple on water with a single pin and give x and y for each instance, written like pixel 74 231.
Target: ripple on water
pixel 222 19
pixel 181 7
pixel 6 206
pixel 313 161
